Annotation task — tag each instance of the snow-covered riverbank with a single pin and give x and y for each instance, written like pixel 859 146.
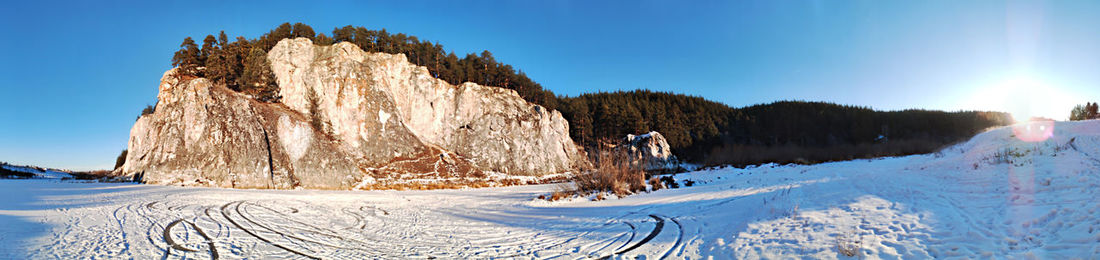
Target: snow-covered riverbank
pixel 995 195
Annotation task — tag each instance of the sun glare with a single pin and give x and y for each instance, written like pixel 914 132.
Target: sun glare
pixel 1025 98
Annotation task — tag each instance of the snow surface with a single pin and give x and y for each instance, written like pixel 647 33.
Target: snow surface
pixel 994 196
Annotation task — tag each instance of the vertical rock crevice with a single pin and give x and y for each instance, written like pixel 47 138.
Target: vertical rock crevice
pixel 270 160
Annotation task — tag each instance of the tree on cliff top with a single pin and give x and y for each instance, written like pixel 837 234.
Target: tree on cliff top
pixel 302 30
pixel 187 58
pixel 216 59
pixel 323 40
pixel 257 79
pixel 209 48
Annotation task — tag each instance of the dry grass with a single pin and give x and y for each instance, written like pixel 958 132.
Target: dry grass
pixel 848 245
pixel 559 195
pixel 612 173
pixel 429 182
pixel 656 183
pixel 442 184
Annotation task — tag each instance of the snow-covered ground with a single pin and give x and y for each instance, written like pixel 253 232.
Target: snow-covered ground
pixel 994 196
pixel 39 173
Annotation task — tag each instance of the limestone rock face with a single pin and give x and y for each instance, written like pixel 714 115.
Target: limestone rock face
pixel 205 135
pixel 648 151
pixel 347 118
pixel 378 106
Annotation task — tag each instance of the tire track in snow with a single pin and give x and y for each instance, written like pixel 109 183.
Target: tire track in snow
pixel 176 227
pixel 167 234
pixel 656 230
pixel 225 213
pixel 679 237
pixel 633 231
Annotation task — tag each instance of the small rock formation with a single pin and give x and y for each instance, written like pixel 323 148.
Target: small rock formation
pixel 649 151
pixel 347 118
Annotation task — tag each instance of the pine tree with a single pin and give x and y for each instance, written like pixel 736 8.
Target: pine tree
pixel 323 40
pixel 1078 113
pixel 235 53
pixel 284 31
pixel 344 34
pixel 580 120
pixel 209 47
pixel 218 67
pixel 121 159
pixel 187 58
pixel 223 40
pixel 1092 112
pixel 273 37
pixel 302 30
pixel 257 78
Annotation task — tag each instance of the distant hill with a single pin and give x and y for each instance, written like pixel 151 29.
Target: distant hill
pixel 9 171
pixel 711 133
pixel 698 130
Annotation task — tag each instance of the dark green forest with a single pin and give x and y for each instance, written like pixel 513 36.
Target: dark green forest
pixel 698 130
pixel 711 133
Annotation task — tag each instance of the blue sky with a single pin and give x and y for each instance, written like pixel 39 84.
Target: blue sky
pixel 75 75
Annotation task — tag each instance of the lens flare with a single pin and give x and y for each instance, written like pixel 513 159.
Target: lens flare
pixel 1036 130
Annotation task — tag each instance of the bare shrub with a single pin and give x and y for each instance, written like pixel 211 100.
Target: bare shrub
pixel 613 173
pixel 670 182
pixel 557 195
pixel 656 183
pixel 848 245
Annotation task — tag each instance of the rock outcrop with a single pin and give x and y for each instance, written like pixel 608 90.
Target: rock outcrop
pixel 207 135
pixel 376 104
pixel 649 151
pixel 347 118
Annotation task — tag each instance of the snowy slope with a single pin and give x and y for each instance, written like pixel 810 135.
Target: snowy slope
pixel 40 173
pixel 994 196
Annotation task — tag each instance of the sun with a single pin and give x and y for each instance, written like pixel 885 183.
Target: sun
pixel 1025 97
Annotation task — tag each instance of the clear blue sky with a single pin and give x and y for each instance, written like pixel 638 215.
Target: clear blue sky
pixel 75 75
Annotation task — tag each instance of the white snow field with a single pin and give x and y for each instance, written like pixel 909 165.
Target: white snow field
pixel 995 196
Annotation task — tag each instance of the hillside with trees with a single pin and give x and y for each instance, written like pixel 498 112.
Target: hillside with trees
pixel 712 133
pixel 698 130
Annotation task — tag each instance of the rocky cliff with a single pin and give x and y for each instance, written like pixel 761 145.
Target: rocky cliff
pixel 360 97
pixel 347 118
